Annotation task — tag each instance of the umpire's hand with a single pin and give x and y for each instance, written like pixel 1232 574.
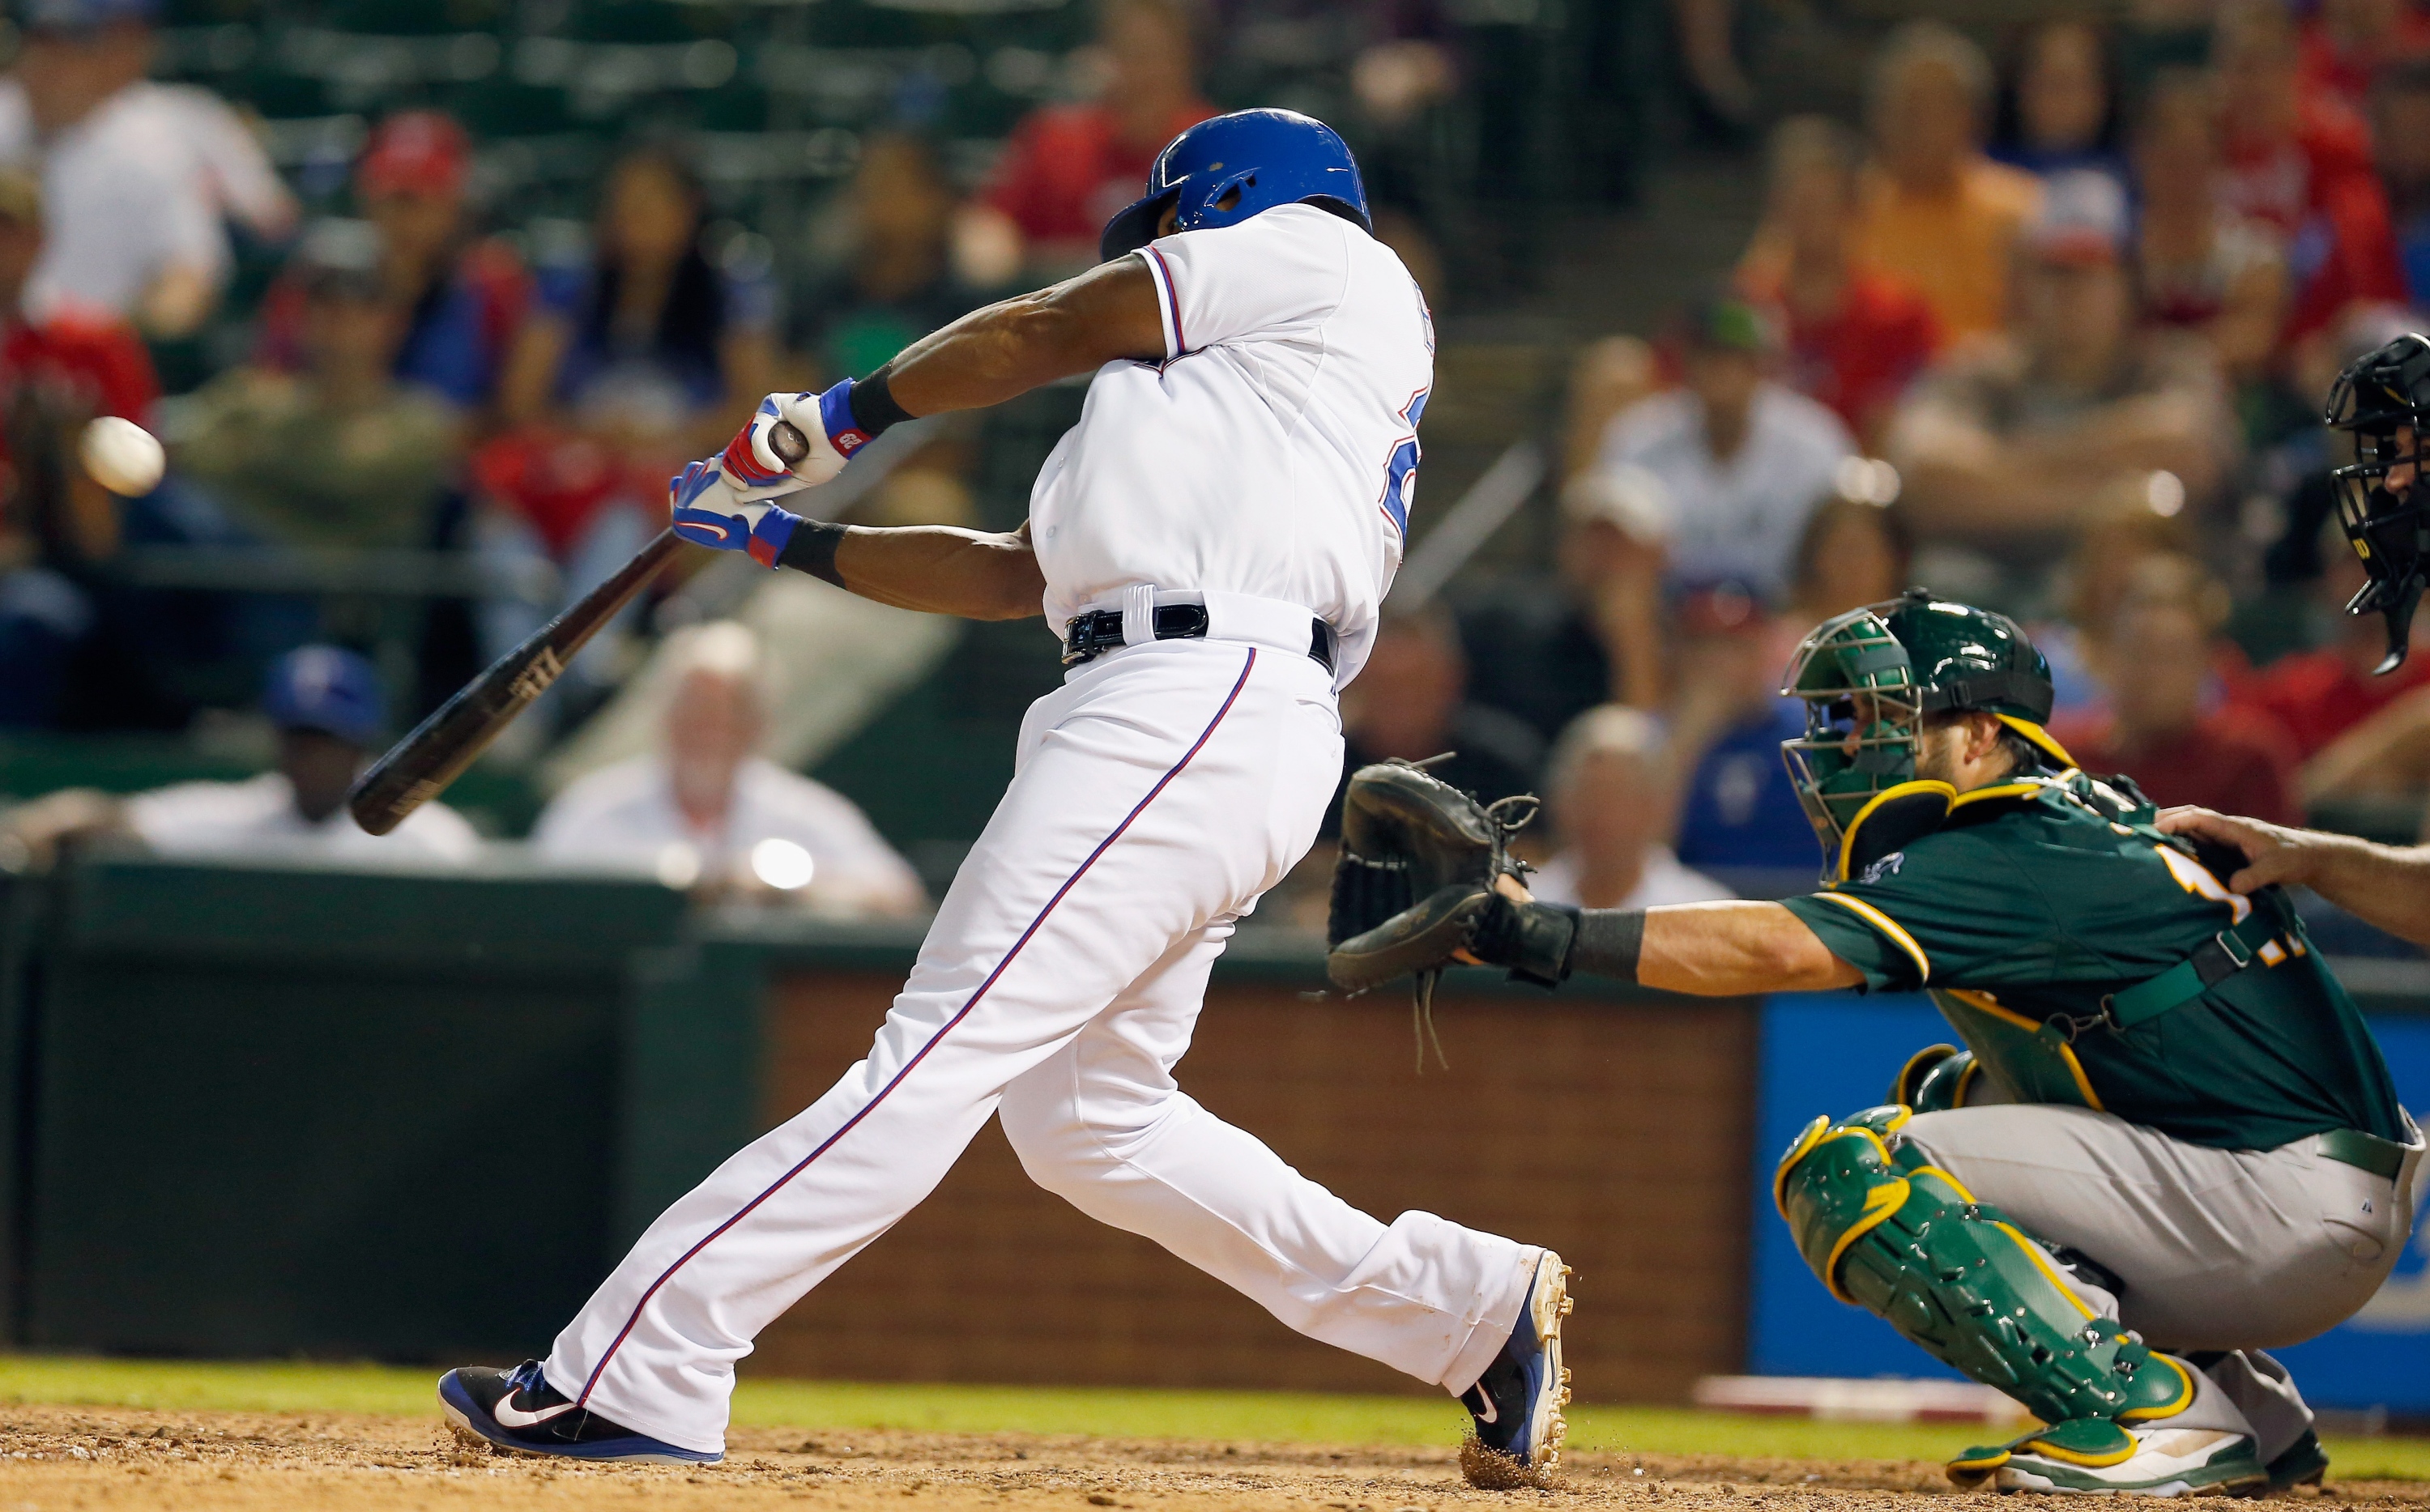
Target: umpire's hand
pixel 2271 852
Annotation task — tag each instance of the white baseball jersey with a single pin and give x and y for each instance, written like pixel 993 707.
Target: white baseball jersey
pixel 1273 454
pixel 127 194
pixel 625 817
pixel 258 819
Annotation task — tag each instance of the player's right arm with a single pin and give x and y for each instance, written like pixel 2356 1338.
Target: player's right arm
pixel 1105 315
pixel 1731 949
pixel 1735 950
pixel 1945 906
pixel 2384 886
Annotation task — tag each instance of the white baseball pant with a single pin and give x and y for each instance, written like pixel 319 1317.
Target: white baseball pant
pixel 1155 795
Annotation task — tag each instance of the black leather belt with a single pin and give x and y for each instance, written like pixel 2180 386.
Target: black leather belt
pixel 1091 635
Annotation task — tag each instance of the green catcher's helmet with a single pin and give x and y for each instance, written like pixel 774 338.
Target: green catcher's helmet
pixel 1867 678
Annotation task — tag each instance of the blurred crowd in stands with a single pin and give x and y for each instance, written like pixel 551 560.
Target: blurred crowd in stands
pixel 2041 320
pixel 2045 330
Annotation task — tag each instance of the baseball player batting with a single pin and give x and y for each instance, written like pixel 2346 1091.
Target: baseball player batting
pixel 2170 1143
pixel 1211 540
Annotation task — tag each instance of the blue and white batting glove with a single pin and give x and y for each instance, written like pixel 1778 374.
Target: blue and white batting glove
pixel 754 470
pixel 723 503
pixel 708 512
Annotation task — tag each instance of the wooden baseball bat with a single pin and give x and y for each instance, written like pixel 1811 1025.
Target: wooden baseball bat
pixel 419 768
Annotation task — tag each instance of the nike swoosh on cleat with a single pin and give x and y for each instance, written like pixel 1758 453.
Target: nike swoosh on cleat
pixel 510 1416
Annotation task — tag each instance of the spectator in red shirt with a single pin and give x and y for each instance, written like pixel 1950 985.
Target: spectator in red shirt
pixel 54 375
pixel 2317 696
pixel 2303 165
pixel 2363 737
pixel 57 372
pixel 2167 727
pixel 2199 265
pixel 1855 335
pixel 466 295
pixel 2347 43
pixel 1068 168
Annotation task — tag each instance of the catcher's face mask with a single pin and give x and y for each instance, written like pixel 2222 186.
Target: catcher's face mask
pixel 2383 500
pixel 1862 712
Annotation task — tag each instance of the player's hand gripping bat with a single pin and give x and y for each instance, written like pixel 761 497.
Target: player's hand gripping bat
pixel 417 767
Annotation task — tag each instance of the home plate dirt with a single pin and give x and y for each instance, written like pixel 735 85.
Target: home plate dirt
pixel 99 1459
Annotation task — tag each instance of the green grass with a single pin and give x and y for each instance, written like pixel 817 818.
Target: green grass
pixel 1269 1416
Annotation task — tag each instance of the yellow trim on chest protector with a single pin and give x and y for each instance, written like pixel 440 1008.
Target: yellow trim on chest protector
pixel 1888 1231
pixel 2040 1042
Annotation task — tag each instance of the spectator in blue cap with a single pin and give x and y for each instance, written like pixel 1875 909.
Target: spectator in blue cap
pixel 330 714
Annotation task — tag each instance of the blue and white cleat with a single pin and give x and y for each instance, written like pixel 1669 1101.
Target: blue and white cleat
pixel 518 1411
pixel 1517 1403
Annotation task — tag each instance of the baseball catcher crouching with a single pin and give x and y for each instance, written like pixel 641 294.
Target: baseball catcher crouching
pixel 2170 1142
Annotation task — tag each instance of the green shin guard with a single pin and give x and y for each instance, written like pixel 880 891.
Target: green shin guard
pixel 1936 1079
pixel 1903 1240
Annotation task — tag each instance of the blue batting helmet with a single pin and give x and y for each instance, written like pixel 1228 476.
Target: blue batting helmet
pixel 1269 158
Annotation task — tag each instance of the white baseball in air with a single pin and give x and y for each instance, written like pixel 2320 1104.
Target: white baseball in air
pixel 121 455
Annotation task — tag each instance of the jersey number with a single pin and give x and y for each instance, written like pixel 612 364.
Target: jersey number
pixel 2195 878
pixel 1401 470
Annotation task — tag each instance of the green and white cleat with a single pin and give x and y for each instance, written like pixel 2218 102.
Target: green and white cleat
pixel 2095 1456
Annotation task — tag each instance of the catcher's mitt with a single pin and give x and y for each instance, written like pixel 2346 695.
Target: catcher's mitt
pixel 1419 859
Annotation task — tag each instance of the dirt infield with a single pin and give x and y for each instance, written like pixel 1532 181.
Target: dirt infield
pixel 105 1459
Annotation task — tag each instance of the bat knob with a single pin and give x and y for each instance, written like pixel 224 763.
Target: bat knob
pixel 785 440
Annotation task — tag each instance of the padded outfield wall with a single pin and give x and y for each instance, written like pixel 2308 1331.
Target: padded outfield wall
pixel 261 1112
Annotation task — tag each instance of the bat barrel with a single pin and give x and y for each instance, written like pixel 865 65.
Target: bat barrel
pixel 419 768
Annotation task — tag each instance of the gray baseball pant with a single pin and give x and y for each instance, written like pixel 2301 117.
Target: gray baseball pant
pixel 2233 1251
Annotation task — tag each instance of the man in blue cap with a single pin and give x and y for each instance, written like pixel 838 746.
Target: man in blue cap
pixel 1210 543
pixel 330 715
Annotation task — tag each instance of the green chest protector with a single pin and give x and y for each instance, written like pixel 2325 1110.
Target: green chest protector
pixel 2035 1058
